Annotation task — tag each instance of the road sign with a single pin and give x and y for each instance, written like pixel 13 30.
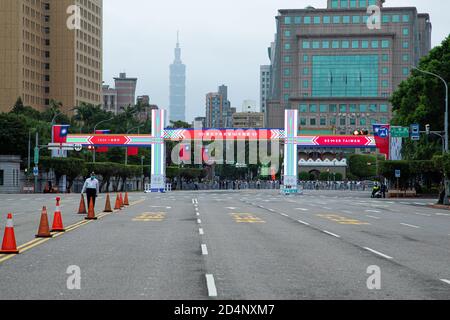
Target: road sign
pixel 36 155
pixel 399 132
pixel 415 132
pixel 383 132
pixel 397 174
pixel 35 171
pixel 64 146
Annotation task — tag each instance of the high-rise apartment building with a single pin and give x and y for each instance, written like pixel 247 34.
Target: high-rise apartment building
pixel 126 91
pixel 177 99
pixel 264 86
pixel 45 54
pixel 110 99
pixel 219 113
pixel 338 72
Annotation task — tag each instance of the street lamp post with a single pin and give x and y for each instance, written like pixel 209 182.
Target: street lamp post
pixel 445 126
pixel 142 170
pixel 95 129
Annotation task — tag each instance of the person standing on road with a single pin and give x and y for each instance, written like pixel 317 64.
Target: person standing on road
pixel 91 188
pixel 383 190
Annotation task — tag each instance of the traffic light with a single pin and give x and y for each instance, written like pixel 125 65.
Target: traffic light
pixel 427 129
pixel 361 133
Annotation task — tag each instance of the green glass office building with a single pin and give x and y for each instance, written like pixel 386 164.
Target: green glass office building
pixel 336 70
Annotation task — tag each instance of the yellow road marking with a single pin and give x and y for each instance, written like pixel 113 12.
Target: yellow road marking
pixel 35 244
pixel 150 216
pixel 342 220
pixel 246 218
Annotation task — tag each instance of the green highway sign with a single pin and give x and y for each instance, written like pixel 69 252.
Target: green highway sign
pixel 400 132
pixel 36 155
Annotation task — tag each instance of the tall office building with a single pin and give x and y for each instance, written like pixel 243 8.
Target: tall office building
pixel 338 72
pixel 219 113
pixel 177 99
pixel 264 86
pixel 44 56
pixel 126 91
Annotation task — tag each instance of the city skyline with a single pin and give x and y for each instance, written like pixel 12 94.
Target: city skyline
pixel 221 53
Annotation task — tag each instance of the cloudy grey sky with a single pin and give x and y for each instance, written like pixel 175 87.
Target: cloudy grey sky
pixel 223 42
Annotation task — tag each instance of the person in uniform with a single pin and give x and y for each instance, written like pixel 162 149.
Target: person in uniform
pixel 91 188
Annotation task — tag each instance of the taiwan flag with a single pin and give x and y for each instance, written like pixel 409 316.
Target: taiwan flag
pixel 382 138
pixel 59 133
pixel 102 149
pixel 132 151
pixel 185 153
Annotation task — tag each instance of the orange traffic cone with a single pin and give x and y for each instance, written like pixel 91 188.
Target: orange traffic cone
pixel 57 219
pixel 108 204
pixel 82 209
pixel 121 200
pixel 117 205
pixel 91 212
pixel 9 240
pixel 44 230
pixel 125 200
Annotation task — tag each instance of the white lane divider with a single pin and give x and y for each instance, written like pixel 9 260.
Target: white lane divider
pixel 327 208
pixel 374 211
pixel 199 221
pixel 284 214
pixel 204 250
pixel 197 214
pixel 446 281
pixel 378 253
pixel 410 225
pixel 331 234
pixel 373 217
pixel 442 214
pixel 210 283
pixel 422 214
pixel 201 232
pixel 301 209
pixel 271 210
pixel 303 222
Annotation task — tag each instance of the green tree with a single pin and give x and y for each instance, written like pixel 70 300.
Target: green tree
pixel 420 99
pixel 362 166
pixel 70 167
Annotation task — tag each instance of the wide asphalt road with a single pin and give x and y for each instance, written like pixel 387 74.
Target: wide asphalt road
pixel 231 245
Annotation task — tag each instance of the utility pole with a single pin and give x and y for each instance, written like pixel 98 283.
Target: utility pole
pixel 29 152
pixel 36 160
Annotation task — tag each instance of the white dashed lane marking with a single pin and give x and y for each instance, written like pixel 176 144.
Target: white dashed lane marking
pixel 378 253
pixel 331 234
pixel 303 222
pixel 211 285
pixel 410 225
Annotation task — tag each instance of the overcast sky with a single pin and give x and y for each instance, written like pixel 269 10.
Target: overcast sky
pixel 223 42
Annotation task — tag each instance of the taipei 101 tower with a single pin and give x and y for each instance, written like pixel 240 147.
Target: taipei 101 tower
pixel 177 103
